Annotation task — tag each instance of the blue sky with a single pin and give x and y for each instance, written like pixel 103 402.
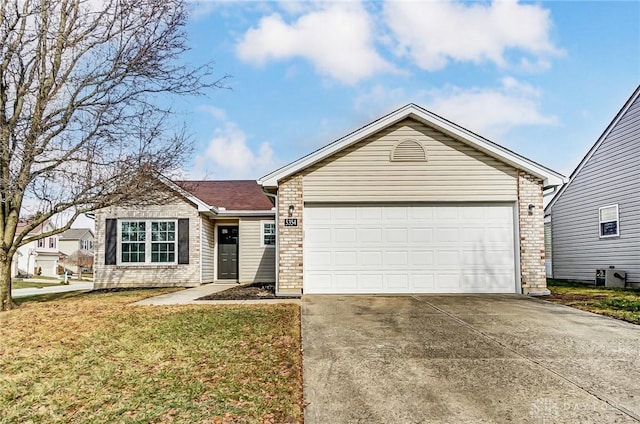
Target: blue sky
pixel 543 79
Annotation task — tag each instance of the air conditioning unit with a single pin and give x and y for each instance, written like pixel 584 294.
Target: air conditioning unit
pixel 611 277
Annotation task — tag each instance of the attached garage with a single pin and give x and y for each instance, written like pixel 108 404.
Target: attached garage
pixel 410 203
pixel 372 249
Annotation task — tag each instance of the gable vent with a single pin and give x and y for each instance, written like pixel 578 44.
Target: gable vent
pixel 409 151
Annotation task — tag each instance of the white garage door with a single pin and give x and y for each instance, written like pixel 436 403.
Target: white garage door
pixel 409 249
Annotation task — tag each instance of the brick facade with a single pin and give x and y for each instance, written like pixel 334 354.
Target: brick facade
pixel 531 226
pixel 290 238
pixel 149 275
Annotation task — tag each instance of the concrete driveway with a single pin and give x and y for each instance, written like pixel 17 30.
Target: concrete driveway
pixel 466 359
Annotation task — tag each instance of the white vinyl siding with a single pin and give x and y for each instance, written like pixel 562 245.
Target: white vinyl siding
pixel 611 176
pixel 208 255
pixel 256 263
pixel 465 248
pixel 453 171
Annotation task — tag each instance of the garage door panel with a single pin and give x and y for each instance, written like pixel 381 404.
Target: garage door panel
pixel 370 282
pixel 391 213
pixel 447 234
pixel 396 258
pixel 369 259
pixel 318 259
pixel 421 258
pixel 398 281
pixel 344 236
pixel 346 258
pixel 421 235
pixel 421 213
pixel 370 213
pixel 396 235
pixel 369 236
pixel 409 249
pixel 446 213
pixel 421 282
pixel 318 236
pixel 448 258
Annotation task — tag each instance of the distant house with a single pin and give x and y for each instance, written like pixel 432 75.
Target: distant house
pixel 595 217
pixel 76 244
pixel 39 257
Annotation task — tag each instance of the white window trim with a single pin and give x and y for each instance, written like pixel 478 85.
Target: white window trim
pixel 147 248
pixel 617 234
pixel 262 234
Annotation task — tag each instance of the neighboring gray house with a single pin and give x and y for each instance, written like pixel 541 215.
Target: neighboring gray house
pixel 595 217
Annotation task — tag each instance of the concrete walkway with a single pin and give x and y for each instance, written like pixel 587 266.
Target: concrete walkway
pixel 72 286
pixel 189 296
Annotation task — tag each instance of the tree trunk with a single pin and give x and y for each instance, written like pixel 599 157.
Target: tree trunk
pixel 6 302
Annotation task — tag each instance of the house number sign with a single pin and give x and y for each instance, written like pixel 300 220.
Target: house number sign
pixel 291 222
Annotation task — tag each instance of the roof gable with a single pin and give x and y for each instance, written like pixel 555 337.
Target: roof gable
pixel 633 100
pixel 550 178
pixel 75 234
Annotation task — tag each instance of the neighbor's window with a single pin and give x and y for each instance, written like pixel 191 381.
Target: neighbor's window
pixel 609 221
pixel 41 243
pixel 268 233
pixel 52 243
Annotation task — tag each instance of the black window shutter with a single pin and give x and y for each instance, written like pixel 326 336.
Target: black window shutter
pixel 183 240
pixel 111 242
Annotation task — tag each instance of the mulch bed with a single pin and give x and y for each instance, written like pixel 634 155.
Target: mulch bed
pixel 245 292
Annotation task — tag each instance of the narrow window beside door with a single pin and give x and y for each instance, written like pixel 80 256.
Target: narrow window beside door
pixel 268 234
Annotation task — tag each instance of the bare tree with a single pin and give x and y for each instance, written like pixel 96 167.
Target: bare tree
pixel 84 92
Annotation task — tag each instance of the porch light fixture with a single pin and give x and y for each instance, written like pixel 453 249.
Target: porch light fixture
pixel 531 208
pixel 291 209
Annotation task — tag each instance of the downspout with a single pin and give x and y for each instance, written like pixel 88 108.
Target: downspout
pixel 277 252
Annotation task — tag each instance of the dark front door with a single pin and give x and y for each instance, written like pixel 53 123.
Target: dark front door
pixel 228 252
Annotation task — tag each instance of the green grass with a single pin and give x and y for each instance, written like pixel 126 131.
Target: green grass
pixel 618 303
pixel 20 284
pixel 93 358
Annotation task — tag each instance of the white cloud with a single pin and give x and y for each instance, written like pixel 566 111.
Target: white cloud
pixel 491 112
pixel 432 33
pixel 338 39
pixel 229 156
pixel 215 112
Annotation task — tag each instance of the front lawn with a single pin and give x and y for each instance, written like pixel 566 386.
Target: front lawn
pixel 21 284
pixel 618 303
pixel 89 357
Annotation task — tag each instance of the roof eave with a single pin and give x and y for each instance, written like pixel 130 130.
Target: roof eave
pixel 242 213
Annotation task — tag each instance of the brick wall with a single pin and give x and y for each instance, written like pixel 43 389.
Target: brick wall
pixel 149 275
pixel 290 238
pixel 532 266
